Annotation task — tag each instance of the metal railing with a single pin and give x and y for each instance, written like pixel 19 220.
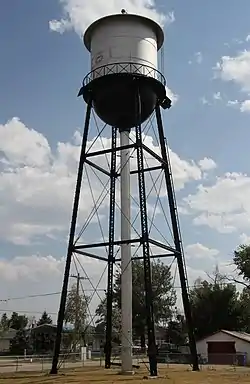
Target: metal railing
pixel 125 67
pixel 42 363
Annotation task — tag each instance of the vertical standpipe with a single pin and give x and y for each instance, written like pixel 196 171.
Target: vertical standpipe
pixel 126 265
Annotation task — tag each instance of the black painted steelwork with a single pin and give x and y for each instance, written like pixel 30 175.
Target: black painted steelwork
pixel 145 244
pixel 137 114
pixel 61 312
pixel 112 87
pixel 111 258
pixel 177 238
pixel 120 242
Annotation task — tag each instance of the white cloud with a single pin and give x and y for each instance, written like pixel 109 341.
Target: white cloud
pixel 23 276
pixel 236 69
pixel 206 269
pixel 198 256
pixel 36 192
pixel 34 151
pixel 223 206
pixel 172 96
pixel 182 210
pixel 198 58
pixel 201 262
pixel 60 26
pixel 217 96
pixel 183 170
pixel 245 106
pixel 78 14
pixel 200 251
pixel 207 164
pixel 237 41
pixel 31 268
pixel 204 100
pixel 244 239
pixel 214 98
pixel 37 184
pixel 233 103
pixel 248 38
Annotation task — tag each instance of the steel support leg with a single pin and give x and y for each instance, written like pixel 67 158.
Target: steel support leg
pixel 152 352
pixel 177 239
pixel 113 176
pixel 60 319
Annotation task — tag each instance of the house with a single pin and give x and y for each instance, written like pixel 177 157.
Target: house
pixel 45 329
pixel 5 340
pixel 43 338
pixel 225 347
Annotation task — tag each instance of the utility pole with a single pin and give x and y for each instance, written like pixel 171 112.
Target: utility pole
pixel 76 328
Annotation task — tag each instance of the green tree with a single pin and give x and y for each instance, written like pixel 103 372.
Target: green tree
pixel 43 338
pixel 244 301
pixel 18 321
pixel 176 332
pixel 76 307
pixel 242 261
pixel 101 313
pixel 4 322
pixel 76 313
pixel 164 297
pixel 215 306
pixel 45 319
pixel 19 343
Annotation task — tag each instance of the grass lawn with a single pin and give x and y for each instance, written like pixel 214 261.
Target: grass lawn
pixel 171 375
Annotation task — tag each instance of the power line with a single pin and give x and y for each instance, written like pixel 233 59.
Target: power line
pixel 30 296
pixel 44 295
pixel 59 292
pixel 27 312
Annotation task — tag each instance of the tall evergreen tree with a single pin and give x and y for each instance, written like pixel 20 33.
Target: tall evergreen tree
pixel 20 343
pixel 45 319
pixel 18 321
pixel 4 322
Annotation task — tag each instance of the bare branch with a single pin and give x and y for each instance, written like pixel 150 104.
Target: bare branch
pixel 241 282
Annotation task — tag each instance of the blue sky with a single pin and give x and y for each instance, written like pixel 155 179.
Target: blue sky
pixel 207 61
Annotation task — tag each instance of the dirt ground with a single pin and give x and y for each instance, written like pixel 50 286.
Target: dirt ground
pixel 170 375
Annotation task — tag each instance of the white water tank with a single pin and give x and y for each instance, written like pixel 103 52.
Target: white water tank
pixel 123 48
pixel 124 38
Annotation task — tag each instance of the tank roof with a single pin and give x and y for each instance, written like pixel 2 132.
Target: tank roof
pixel 129 16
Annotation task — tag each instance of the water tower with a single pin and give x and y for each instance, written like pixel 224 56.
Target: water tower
pixel 124 88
